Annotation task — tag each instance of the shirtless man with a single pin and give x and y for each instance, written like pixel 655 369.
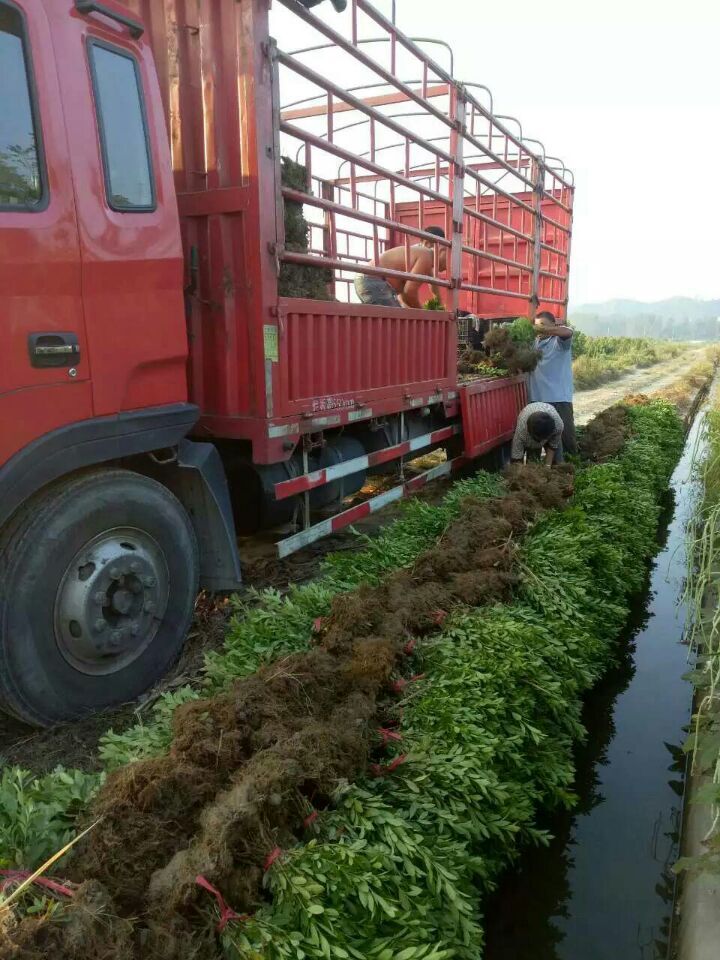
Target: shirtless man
pixel 395 292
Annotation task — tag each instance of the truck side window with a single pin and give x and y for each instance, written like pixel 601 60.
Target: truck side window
pixel 20 180
pixel 123 129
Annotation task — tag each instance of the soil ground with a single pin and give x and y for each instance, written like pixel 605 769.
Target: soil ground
pixel 588 403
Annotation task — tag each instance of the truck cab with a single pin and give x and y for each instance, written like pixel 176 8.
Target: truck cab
pixel 91 265
pixel 95 367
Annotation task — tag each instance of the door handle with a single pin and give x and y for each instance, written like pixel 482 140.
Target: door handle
pixel 54 349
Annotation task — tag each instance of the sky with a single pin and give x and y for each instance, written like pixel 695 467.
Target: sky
pixel 627 92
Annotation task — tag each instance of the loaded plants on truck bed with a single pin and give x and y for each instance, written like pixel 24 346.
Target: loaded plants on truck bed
pixel 299 280
pixel 395 862
pixel 506 351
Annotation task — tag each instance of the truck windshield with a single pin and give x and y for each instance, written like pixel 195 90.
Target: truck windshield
pixel 20 182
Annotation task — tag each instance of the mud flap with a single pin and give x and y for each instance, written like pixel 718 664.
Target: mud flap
pixel 199 482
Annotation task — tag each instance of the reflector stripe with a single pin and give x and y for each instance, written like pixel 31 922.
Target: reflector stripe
pixel 363 414
pixel 331 421
pixel 326 527
pixel 441 470
pixel 282 430
pixel 309 481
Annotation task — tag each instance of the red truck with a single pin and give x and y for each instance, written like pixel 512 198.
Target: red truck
pixel 161 388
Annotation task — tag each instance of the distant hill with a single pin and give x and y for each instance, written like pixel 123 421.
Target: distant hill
pixel 678 318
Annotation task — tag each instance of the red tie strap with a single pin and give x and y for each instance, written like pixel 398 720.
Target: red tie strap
pixel 11 878
pixel 387 735
pixel 378 770
pixel 271 858
pixel 400 685
pixel 226 913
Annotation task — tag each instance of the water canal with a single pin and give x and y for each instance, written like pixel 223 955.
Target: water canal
pixel 603 888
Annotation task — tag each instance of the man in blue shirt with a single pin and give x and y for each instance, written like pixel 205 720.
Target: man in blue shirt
pixel 552 380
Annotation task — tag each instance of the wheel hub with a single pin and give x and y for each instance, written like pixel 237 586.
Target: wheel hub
pixel 111 601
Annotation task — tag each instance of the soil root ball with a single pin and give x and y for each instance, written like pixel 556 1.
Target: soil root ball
pixel 469 360
pixel 90 929
pixel 261 810
pixel 152 807
pixel 538 488
pixel 605 435
pixel 511 356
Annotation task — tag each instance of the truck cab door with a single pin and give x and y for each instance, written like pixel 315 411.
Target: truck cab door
pixel 132 264
pixel 44 368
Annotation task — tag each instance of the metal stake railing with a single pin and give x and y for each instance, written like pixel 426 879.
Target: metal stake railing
pixel 505 239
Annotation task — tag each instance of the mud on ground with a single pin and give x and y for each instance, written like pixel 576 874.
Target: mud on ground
pixel 75 745
pixel 246 767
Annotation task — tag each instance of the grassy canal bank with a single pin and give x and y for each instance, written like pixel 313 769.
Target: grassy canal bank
pixel 698 917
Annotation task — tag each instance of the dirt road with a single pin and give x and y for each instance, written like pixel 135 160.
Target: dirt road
pixel 588 403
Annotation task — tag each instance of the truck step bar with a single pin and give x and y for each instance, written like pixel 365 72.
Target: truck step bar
pixel 327 527
pixel 318 478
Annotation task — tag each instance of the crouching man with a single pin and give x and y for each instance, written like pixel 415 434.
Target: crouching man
pixel 539 426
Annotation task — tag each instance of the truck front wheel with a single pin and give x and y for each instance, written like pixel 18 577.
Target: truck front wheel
pixel 98 578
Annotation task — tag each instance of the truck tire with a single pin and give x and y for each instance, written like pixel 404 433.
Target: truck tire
pixel 98 580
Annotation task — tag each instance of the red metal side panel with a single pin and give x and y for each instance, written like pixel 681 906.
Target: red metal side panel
pixel 511 247
pixel 489 412
pixel 499 276
pixel 340 355
pixel 486 273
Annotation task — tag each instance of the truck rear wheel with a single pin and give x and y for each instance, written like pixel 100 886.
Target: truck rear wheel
pixel 98 579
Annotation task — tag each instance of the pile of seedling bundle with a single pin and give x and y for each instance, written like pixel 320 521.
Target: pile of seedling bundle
pixel 369 751
pixel 506 351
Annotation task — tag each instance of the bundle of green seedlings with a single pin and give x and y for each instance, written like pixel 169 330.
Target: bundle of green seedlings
pixel 506 350
pixel 703 594
pixel 398 867
pixel 39 814
pixel 433 303
pixel 396 864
